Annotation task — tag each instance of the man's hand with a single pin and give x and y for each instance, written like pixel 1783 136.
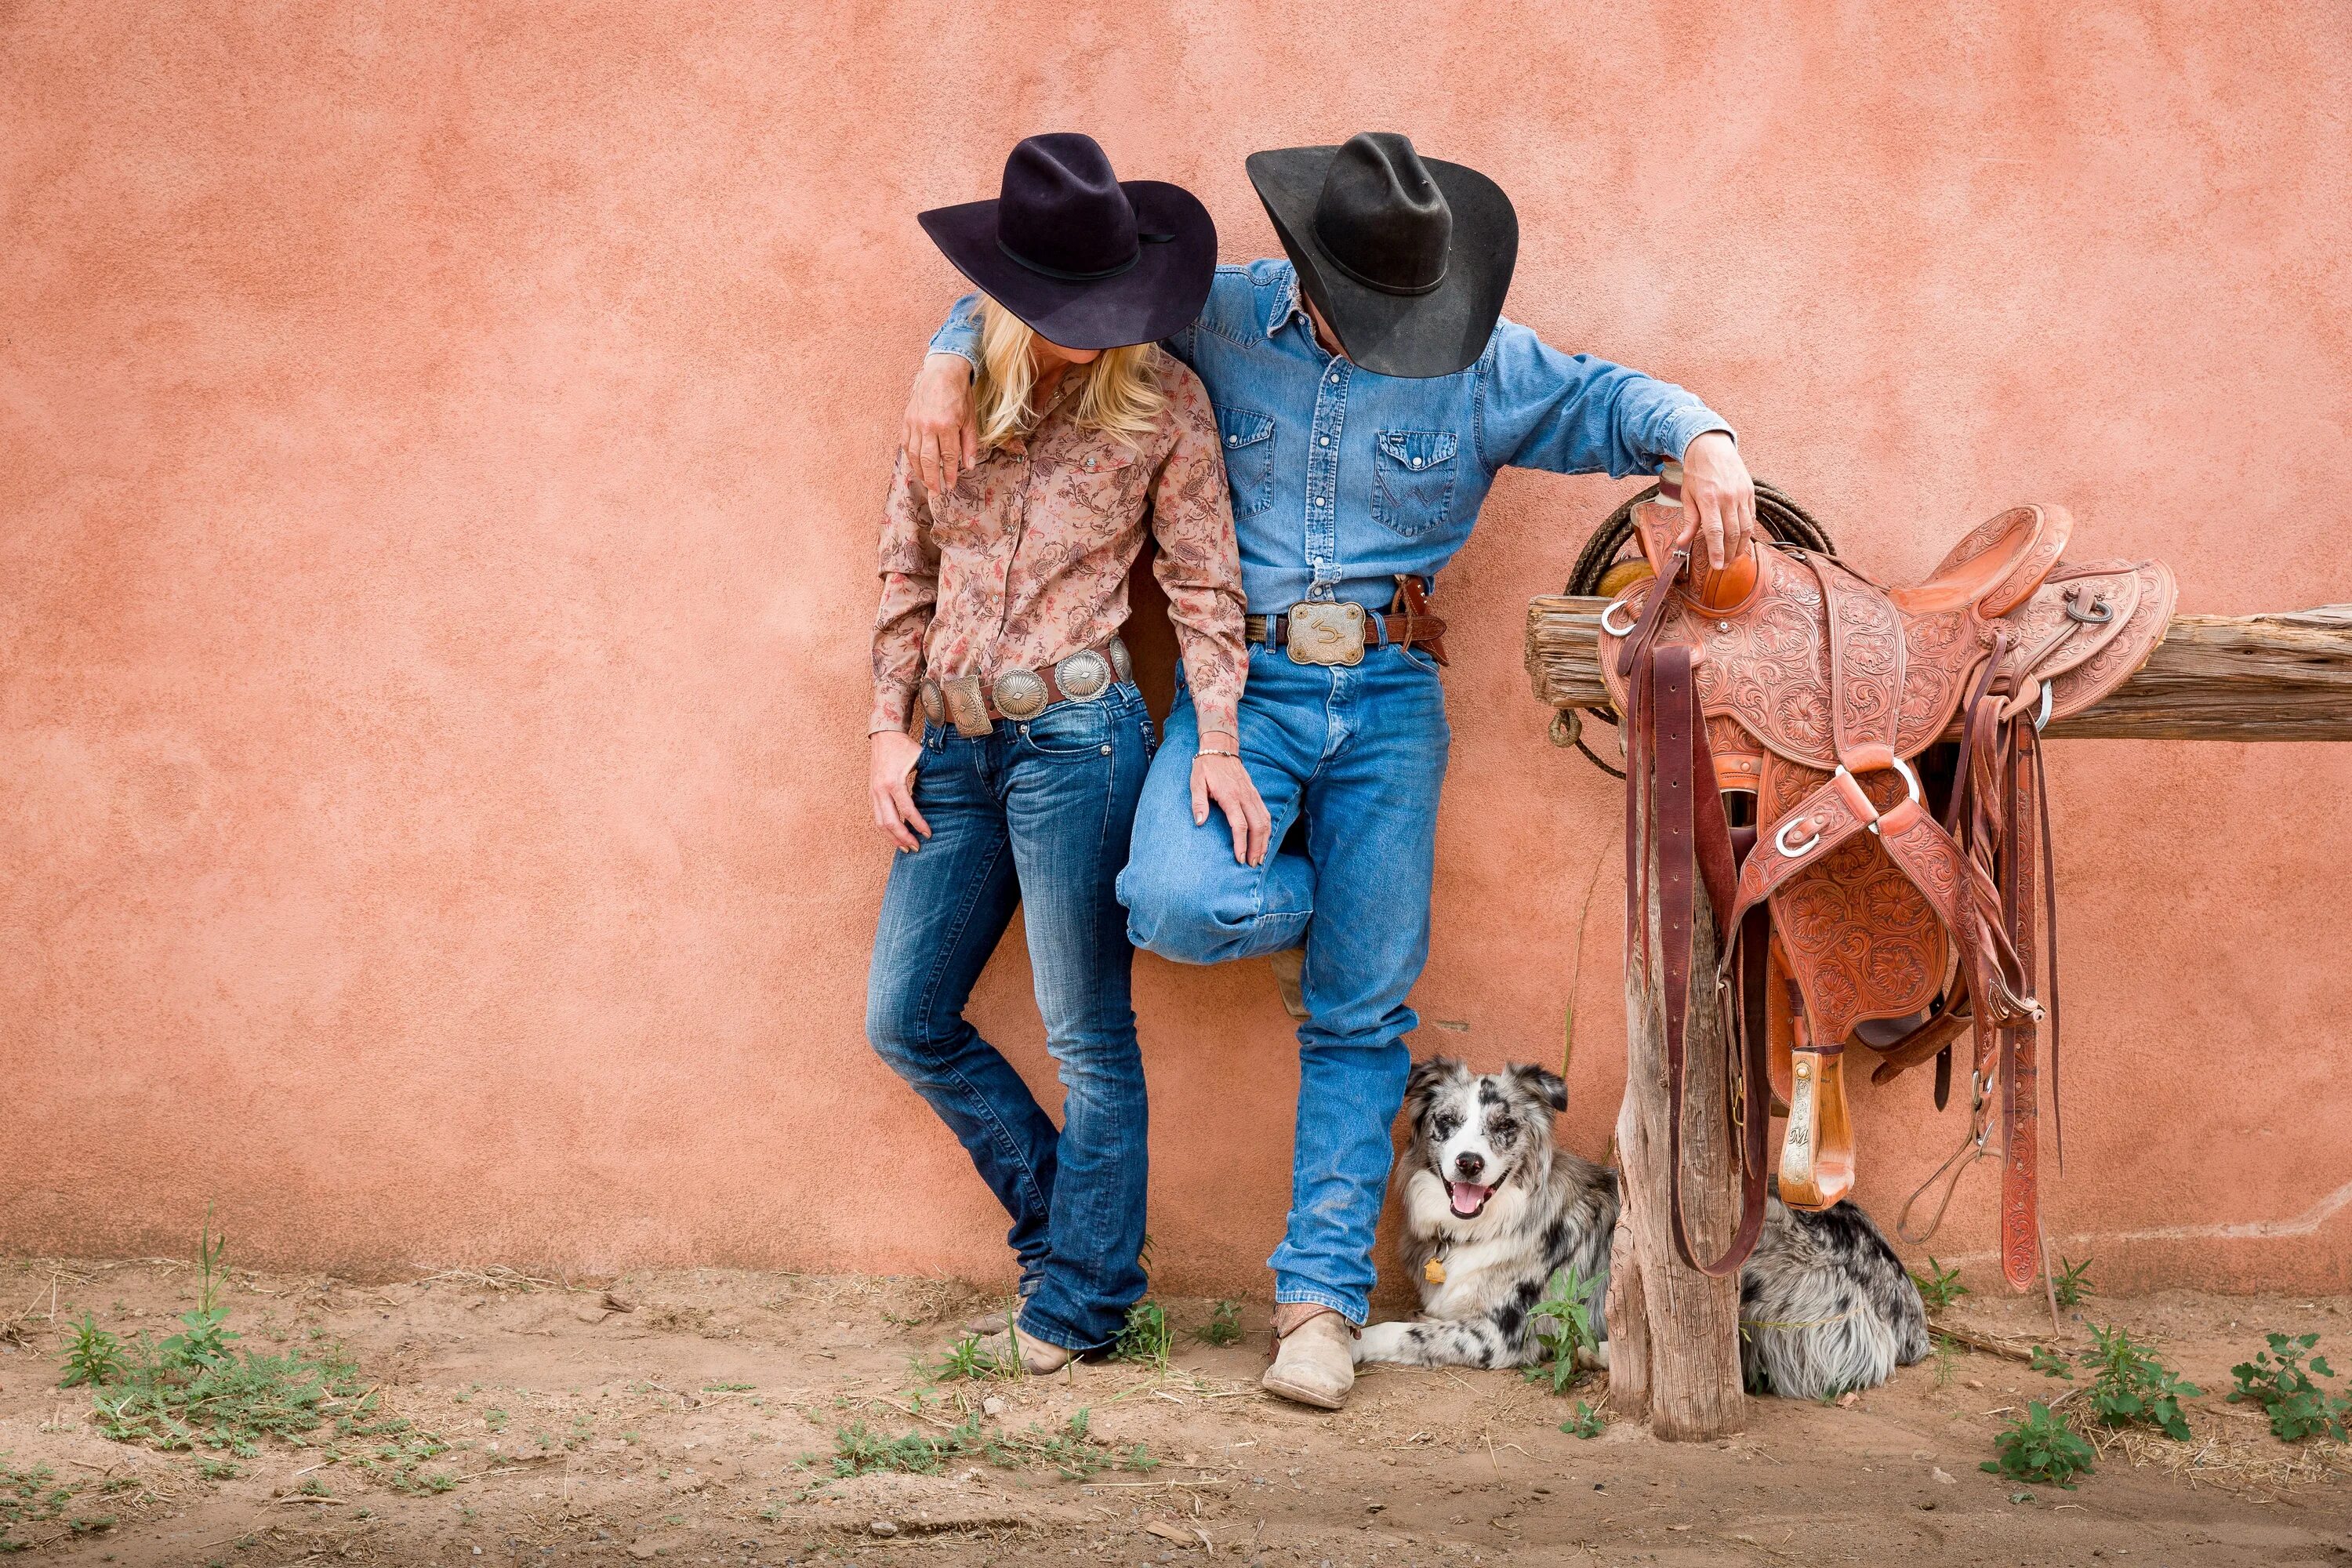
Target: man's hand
pixel 1719 493
pixel 887 782
pixel 1224 781
pixel 940 436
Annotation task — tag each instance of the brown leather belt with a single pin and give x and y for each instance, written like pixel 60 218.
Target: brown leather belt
pixel 973 705
pixel 1414 626
pixel 1404 631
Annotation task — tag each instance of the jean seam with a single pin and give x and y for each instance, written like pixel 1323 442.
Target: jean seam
pixel 1314 1295
pixel 998 1132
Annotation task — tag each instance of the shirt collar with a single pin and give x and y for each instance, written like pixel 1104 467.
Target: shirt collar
pixel 1287 307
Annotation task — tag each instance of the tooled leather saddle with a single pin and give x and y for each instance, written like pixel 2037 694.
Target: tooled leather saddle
pixel 1862 904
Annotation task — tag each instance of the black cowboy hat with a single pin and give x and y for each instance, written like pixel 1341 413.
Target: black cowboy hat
pixel 1408 258
pixel 1089 260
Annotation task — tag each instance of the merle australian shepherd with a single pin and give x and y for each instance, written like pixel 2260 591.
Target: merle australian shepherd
pixel 1493 1208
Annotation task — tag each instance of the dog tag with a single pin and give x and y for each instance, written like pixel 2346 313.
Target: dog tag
pixel 1433 1271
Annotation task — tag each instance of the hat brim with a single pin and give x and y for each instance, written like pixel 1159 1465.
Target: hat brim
pixel 1161 295
pixel 1419 335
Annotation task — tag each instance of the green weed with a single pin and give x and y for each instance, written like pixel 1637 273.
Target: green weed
pixel 28 1497
pixel 1939 1286
pixel 2040 1448
pixel 967 1359
pixel 1563 1322
pixel 1146 1338
pixel 2280 1381
pixel 1223 1327
pixel 2073 1280
pixel 1074 1451
pixel 2130 1384
pixel 1586 1422
pixel 95 1356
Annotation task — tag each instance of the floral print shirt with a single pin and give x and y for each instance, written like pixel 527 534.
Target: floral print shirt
pixel 1025 561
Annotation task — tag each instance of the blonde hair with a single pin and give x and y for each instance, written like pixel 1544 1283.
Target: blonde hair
pixel 1121 398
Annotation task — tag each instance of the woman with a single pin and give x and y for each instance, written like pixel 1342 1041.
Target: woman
pixel 1002 600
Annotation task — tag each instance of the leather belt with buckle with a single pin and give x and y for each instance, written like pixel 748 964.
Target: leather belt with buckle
pixel 974 706
pixel 1336 632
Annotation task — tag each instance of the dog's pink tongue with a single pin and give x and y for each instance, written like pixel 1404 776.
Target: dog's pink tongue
pixel 1467 1198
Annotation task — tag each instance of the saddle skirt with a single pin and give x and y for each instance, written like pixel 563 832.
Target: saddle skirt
pixel 1894 922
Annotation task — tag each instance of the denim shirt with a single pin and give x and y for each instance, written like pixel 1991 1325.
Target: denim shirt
pixel 1343 479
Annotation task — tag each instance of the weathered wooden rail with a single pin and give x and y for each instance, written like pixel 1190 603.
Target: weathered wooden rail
pixel 2285 677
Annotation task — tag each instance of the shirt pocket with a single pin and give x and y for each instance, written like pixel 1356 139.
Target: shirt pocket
pixel 1412 479
pixel 1247 438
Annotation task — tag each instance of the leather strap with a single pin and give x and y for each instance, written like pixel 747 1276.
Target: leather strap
pixel 1682 813
pixel 2021 1222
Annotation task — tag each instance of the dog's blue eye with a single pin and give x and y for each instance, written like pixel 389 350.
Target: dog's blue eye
pixel 1444 1127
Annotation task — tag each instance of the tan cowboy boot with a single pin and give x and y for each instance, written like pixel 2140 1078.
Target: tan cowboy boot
pixel 1037 1357
pixel 1288 964
pixel 1314 1361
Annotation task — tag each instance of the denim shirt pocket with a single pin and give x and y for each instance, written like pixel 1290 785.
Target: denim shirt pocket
pixel 1247 438
pixel 1412 479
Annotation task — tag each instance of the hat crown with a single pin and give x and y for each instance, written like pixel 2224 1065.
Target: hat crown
pixel 1380 216
pixel 1061 210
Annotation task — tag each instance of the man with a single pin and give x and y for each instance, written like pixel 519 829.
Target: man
pixel 1367 392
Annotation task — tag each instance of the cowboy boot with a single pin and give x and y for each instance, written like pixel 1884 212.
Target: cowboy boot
pixel 1314 1361
pixel 1288 964
pixel 1037 1357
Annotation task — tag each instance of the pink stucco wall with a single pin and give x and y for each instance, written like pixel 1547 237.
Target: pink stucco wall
pixel 439 455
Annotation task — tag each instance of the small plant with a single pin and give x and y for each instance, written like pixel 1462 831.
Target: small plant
pixel 496 1420
pixel 1146 1338
pixel 1586 1422
pixel 1562 1324
pixel 2073 1280
pixel 2130 1384
pixel 1223 1327
pixel 966 1359
pixel 2040 1448
pixel 95 1356
pixel 1939 1286
pixel 2280 1381
pixel 28 1497
pixel 217 1470
pixel 1074 1451
pixel 728 1387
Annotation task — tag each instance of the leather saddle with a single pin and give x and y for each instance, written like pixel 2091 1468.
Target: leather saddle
pixel 1882 749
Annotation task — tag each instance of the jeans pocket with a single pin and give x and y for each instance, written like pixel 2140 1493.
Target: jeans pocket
pixel 1071 731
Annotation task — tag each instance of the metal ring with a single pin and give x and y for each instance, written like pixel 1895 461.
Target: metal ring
pixel 1791 851
pixel 1909 778
pixel 1615 605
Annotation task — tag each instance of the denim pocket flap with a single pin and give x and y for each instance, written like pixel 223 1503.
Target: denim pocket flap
pixel 1418 450
pixel 1241 427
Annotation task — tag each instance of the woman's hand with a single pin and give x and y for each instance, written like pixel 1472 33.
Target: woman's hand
pixel 940 436
pixel 1719 493
pixel 1224 780
pixel 889 783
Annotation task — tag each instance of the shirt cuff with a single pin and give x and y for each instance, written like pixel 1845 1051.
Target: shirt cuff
pixel 890 711
pixel 1217 711
pixel 1684 428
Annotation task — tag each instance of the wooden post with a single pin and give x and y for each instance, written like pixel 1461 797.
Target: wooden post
pixel 2285 677
pixel 1673 1333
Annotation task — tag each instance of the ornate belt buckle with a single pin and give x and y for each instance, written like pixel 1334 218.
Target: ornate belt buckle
pixel 1083 677
pixel 967 708
pixel 1020 693
pixel 935 706
pixel 1325 632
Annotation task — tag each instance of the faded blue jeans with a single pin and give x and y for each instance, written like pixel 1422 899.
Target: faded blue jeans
pixel 1035 815
pixel 1361 752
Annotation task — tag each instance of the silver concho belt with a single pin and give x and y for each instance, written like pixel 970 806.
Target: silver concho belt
pixel 1021 693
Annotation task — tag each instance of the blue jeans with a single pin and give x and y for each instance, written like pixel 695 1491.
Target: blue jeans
pixel 1035 815
pixel 1361 752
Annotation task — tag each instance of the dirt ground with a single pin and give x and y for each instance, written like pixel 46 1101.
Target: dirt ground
pixel 701 1425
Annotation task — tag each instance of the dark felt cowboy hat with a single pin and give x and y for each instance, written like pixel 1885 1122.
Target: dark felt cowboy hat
pixel 1408 258
pixel 1089 260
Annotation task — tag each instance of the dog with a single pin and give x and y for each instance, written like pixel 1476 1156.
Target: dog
pixel 1494 1207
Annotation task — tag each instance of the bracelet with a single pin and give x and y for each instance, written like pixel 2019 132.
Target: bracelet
pixel 1205 751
